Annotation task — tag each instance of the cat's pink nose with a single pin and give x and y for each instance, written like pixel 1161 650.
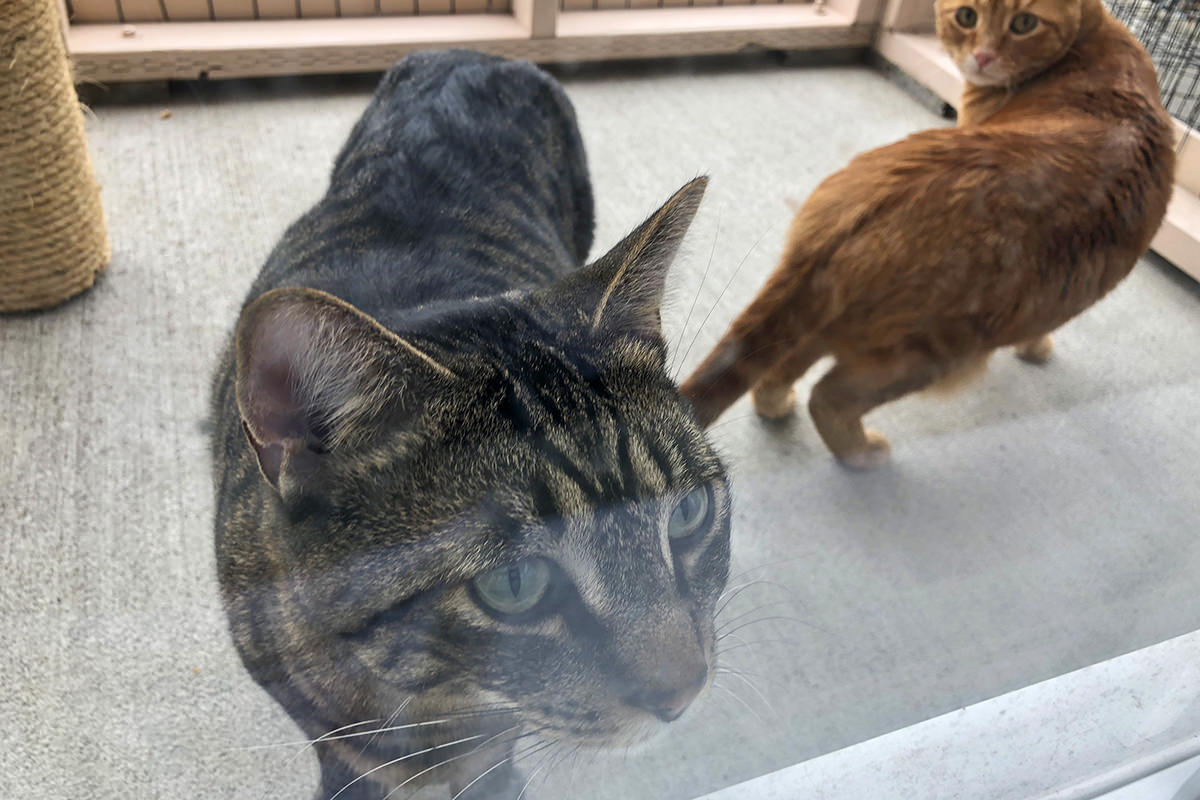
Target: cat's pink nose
pixel 983 58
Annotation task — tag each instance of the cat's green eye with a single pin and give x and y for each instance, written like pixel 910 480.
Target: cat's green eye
pixel 515 588
pixel 690 515
pixel 1023 23
pixel 966 17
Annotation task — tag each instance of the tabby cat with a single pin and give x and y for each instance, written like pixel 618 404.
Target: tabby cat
pixel 916 261
pixel 462 511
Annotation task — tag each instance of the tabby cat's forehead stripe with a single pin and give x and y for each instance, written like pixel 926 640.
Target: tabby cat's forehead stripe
pixel 610 459
pixel 588 445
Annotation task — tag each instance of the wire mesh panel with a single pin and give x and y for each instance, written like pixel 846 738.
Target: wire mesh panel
pixel 108 11
pixel 1170 30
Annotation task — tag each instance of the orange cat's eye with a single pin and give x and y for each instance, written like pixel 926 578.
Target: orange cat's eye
pixel 1023 23
pixel 967 17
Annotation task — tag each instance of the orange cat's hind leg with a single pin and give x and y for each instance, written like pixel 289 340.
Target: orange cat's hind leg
pixel 774 402
pixel 773 395
pixel 1036 350
pixel 850 390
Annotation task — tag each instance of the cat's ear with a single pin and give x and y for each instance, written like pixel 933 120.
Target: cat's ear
pixel 312 374
pixel 625 286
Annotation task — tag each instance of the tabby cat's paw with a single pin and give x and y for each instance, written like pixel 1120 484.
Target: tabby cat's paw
pixel 875 453
pixel 1036 351
pixel 775 402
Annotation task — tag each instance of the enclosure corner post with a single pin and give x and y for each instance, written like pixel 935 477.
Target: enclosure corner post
pixel 861 12
pixel 907 16
pixel 538 17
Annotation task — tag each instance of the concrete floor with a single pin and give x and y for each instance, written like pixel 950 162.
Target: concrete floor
pixel 1043 520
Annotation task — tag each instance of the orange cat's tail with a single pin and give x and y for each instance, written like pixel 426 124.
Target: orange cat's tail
pixel 778 335
pixel 733 368
pixel 782 324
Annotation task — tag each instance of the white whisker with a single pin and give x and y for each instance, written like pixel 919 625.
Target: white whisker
pixel 497 765
pixel 404 758
pixel 769 619
pixel 729 594
pixel 743 643
pixel 716 303
pixel 731 589
pixel 744 704
pixel 309 742
pixel 540 767
pixel 574 756
pixel 725 422
pixel 309 745
pixel 746 680
pixel 330 738
pixel 442 763
pixel 776 585
pixel 769 565
pixel 675 353
pixel 745 614
pixel 392 718
pixel 564 755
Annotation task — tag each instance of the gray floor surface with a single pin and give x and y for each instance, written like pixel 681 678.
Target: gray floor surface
pixel 1042 520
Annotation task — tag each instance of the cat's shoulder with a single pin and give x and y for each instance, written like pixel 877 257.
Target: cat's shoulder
pixel 468 78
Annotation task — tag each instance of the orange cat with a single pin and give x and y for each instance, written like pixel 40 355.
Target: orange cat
pixel 916 261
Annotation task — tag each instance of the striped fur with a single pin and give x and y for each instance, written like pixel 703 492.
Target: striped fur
pixel 425 385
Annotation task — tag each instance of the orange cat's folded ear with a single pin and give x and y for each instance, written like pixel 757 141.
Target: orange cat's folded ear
pixel 312 373
pixel 622 292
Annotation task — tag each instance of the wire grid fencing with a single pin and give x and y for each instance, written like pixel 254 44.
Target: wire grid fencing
pixel 1170 31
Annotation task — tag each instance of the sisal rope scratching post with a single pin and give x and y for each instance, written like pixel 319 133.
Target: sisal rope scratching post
pixel 52 236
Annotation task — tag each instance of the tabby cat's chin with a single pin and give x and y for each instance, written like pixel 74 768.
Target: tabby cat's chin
pixel 623 729
pixel 637 733
pixel 627 729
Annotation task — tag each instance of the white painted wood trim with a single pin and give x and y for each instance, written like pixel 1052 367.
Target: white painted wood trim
pixel 1178 240
pixel 164 50
pixel 656 21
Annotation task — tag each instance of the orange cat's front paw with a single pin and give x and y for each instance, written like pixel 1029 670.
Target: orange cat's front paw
pixel 776 402
pixel 875 452
pixel 1036 351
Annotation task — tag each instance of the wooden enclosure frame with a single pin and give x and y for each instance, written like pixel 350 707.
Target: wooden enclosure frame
pixel 536 29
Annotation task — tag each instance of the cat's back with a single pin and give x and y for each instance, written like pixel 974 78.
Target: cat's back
pixel 1054 195
pixel 461 120
pixel 465 176
pixel 1100 110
